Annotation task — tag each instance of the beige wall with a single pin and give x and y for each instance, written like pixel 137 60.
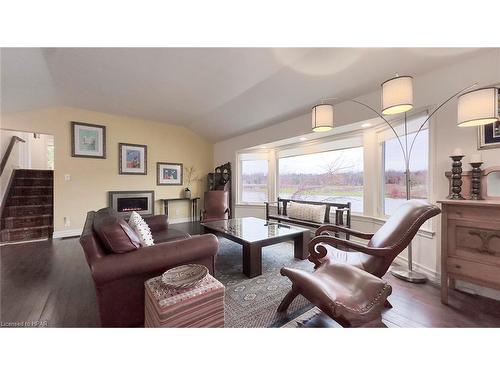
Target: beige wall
pixel 91 179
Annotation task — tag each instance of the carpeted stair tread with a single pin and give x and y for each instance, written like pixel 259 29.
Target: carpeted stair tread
pixel 26 221
pixel 23 234
pixel 27 200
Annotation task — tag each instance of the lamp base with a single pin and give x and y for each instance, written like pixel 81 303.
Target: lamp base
pixel 409 276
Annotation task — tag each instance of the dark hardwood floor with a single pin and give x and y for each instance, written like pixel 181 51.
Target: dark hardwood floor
pixel 49 282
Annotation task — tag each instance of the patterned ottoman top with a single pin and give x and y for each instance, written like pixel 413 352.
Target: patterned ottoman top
pixel 164 296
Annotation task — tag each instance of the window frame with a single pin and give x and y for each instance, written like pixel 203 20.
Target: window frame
pixel 354 141
pixel 382 158
pixel 259 155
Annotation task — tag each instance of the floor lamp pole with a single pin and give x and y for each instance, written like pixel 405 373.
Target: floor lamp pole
pixel 399 272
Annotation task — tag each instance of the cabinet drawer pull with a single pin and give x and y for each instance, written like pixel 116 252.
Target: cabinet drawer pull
pixel 458 266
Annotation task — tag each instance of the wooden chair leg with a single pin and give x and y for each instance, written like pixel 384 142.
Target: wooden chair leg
pixel 387 304
pixel 288 299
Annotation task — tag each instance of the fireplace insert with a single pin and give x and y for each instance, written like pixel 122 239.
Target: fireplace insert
pixel 124 202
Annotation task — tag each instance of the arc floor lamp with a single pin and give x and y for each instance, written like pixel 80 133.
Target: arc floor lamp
pixel 475 108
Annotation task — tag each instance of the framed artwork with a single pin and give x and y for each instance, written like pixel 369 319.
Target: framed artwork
pixel 488 136
pixel 132 158
pixel 88 140
pixel 168 173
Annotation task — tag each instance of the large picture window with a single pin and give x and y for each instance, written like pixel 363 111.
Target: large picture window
pixel 394 187
pixel 254 172
pixel 331 176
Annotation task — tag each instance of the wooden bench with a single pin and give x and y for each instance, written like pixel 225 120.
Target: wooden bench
pixel 342 213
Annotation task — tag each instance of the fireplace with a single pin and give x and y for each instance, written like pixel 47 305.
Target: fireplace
pixel 124 202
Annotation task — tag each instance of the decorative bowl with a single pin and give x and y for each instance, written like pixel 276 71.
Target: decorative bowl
pixel 185 276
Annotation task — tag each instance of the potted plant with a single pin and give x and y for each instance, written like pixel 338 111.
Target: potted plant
pixel 191 176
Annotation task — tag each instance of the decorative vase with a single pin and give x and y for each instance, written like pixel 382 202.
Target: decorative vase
pixel 456 177
pixel 476 181
pixel 187 193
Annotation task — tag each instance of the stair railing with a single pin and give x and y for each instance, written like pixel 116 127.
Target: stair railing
pixel 13 141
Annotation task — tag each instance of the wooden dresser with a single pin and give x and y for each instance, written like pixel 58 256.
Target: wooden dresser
pixel 470 243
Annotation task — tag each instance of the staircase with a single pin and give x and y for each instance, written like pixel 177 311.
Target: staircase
pixel 27 213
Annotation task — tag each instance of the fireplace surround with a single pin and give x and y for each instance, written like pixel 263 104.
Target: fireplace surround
pixel 124 202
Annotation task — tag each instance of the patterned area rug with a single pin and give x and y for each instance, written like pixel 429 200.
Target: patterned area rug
pixel 253 302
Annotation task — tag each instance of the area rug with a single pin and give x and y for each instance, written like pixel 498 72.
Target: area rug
pixel 252 303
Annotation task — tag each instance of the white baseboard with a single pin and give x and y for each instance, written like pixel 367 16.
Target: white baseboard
pixel 179 220
pixel 67 233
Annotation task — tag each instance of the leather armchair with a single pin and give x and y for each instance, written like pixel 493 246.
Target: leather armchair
pixel 216 206
pixel 340 263
pixel 383 246
pixel 119 277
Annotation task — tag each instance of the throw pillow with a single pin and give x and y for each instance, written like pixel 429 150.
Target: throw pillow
pixel 141 228
pixel 114 232
pixel 307 212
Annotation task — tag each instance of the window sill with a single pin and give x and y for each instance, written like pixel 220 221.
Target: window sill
pixel 240 204
pixel 424 232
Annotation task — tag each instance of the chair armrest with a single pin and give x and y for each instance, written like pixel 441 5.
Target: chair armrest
pixel 157 222
pixel 317 251
pixel 156 258
pixel 337 228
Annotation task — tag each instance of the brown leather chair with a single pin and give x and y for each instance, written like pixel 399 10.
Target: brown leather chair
pixel 216 206
pixel 119 266
pixel 383 246
pixel 324 286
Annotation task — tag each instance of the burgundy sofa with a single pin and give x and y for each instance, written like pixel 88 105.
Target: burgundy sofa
pixel 119 266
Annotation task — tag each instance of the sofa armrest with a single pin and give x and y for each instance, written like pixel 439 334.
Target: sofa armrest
pixel 157 222
pixel 156 258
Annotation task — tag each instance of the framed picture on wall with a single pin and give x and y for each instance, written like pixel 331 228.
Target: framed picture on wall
pixel 132 158
pixel 168 173
pixel 488 136
pixel 88 140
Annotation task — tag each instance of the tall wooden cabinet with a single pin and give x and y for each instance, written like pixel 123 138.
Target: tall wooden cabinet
pixel 470 243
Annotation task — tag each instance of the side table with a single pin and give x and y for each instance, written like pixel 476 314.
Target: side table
pixel 194 206
pixel 199 306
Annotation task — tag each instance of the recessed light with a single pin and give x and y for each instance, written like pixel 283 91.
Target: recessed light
pixel 366 125
pixel 262 146
pixel 303 138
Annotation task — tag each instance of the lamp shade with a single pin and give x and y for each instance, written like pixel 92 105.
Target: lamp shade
pixel 322 117
pixel 397 95
pixel 478 107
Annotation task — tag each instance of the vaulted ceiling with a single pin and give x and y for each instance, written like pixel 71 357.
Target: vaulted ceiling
pixel 217 92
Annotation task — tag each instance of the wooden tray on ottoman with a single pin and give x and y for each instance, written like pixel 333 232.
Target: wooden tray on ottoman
pixel 199 306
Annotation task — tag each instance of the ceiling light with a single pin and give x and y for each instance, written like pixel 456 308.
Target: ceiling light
pixel 478 107
pixel 262 147
pixel 397 95
pixel 322 118
pixel 303 138
pixel 366 125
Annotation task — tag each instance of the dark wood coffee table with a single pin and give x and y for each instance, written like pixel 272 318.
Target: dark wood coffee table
pixel 254 234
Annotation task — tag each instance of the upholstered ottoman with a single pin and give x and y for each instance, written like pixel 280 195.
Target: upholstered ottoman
pixel 347 294
pixel 199 306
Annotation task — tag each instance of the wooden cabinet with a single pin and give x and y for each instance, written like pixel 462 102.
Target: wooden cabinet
pixel 470 243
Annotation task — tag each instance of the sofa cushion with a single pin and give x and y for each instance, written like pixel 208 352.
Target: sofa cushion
pixel 308 212
pixel 169 235
pixel 141 228
pixel 114 232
